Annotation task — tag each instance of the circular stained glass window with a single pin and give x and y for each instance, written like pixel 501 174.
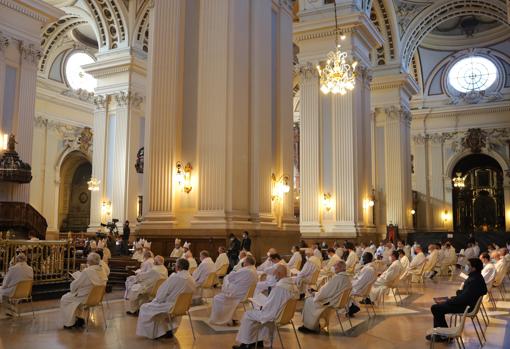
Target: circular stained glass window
pixel 472 74
pixel 75 75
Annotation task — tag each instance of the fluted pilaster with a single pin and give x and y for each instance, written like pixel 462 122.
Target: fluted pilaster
pixel 309 151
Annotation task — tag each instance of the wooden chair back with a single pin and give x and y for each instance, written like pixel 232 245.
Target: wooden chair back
pixel 95 296
pixel 250 292
pixel 23 290
pixel 287 313
pixel 182 304
pixel 222 271
pixel 344 299
pixel 155 288
pixel 210 281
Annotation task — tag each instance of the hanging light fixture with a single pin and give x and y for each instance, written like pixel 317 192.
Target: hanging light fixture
pixel 93 184
pixel 338 75
pixel 459 181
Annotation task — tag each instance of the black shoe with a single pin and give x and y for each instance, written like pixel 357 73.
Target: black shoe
pixel 353 309
pixel 135 313
pixel 433 274
pixel 169 334
pixel 79 322
pixel 366 301
pixel 436 338
pixel 301 296
pixel 304 329
pixel 243 346
pixel 69 327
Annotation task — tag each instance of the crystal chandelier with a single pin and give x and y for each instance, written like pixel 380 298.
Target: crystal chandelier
pixel 338 75
pixel 93 184
pixel 458 182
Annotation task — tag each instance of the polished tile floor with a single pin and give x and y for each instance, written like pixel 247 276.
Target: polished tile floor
pixel 393 327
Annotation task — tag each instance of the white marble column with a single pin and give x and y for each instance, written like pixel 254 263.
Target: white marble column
pixel 260 112
pixel 98 160
pixel 164 106
pixel 309 151
pixel 284 107
pixel 212 110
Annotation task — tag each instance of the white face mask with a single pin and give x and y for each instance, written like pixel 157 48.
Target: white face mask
pixel 466 268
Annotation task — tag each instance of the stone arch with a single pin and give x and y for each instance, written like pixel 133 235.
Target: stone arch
pixel 454 160
pixel 73 169
pixel 438 13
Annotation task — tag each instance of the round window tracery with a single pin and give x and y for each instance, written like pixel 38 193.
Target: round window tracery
pixel 75 76
pixel 473 73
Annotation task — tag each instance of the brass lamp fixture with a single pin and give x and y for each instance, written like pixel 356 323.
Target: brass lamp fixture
pixel 327 202
pixel 106 208
pixel 280 187
pixel 93 184
pixel 459 181
pixel 183 176
pixel 338 74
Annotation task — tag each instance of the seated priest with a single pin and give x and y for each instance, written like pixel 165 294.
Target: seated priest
pixel 328 296
pixel 254 324
pixel 312 266
pixel 331 261
pixel 404 261
pixel 188 255
pixel 103 263
pixel 178 251
pixel 137 293
pixel 242 256
pixel 417 263
pixel 200 275
pixel 179 282
pixel 18 272
pixel 317 252
pixel 352 258
pixel 271 280
pixel 138 253
pixel 488 270
pixel 234 290
pixel 93 275
pixel 386 279
pixel 474 287
pixel 222 259
pixel 295 261
pixel 363 279
pixel 449 258
pixel 267 262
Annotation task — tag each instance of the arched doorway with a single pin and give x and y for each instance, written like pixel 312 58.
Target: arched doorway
pixel 74 197
pixel 479 205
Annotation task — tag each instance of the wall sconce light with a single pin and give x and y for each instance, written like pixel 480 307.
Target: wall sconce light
pixel 370 201
pixel 106 208
pixel 4 140
pixel 327 202
pixel 94 184
pixel 446 216
pixel 183 176
pixel 280 186
pixel 413 212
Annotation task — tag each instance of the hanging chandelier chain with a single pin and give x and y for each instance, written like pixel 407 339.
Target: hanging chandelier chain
pixel 336 27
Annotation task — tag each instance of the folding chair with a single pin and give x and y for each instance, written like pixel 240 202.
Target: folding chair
pixel 181 308
pixel 450 332
pixel 284 318
pixel 23 292
pixel 95 299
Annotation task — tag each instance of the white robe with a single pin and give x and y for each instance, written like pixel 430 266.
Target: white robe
pixel 340 252
pixel 270 278
pixel 304 277
pixel 234 290
pixel 266 264
pixel 192 263
pixel 80 289
pixel 385 280
pixel 328 296
pixel 205 268
pixel 146 265
pixel 405 265
pixel 317 253
pixel 431 262
pixel 501 270
pixel 20 271
pixel 416 265
pixel 361 280
pixel 163 303
pixel 239 265
pixel 105 267
pixel 351 261
pixel 331 262
pixel 255 321
pixel 177 252
pixel 138 255
pixel 138 293
pixel 295 261
pixel 489 274
pixel 221 261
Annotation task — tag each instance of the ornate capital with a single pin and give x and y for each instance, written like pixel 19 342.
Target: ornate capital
pixel 40 121
pixel 4 42
pixel 29 53
pixel 399 113
pixel 307 71
pixel 82 95
pixel 124 99
pixel 101 102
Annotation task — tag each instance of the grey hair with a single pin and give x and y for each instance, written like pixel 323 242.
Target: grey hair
pixel 21 258
pixel 250 260
pixel 93 258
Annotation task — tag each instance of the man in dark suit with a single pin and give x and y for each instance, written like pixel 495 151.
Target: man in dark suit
pixel 233 250
pixel 126 231
pixel 474 287
pixel 246 242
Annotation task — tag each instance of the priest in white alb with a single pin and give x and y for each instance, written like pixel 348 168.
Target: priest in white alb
pixel 20 271
pixel 311 267
pixel 234 290
pixel 242 256
pixel 178 251
pixel 138 292
pixel 93 275
pixel 352 258
pixel 415 267
pixel 255 326
pixel 222 259
pixel 386 279
pixel 200 275
pixel 267 262
pixel 327 296
pixel 179 282
pixel 295 261
pixel 270 280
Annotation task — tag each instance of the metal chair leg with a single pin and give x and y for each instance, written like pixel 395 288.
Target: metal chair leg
pixel 477 334
pixel 485 316
pixel 348 317
pixel 32 304
pixel 462 342
pixel 340 322
pixel 295 334
pixel 481 328
pixel 104 318
pixel 191 324
pixel 279 336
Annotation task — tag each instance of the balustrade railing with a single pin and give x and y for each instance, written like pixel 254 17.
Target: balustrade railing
pixel 51 260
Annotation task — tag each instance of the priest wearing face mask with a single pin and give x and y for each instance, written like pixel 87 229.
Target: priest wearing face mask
pixel 328 296
pixel 474 287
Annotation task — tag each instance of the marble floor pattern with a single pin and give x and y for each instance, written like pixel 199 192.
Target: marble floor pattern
pixel 394 327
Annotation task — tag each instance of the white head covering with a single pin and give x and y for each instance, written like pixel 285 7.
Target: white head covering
pixel 138 245
pixel 177 241
pixel 147 245
pixel 186 245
